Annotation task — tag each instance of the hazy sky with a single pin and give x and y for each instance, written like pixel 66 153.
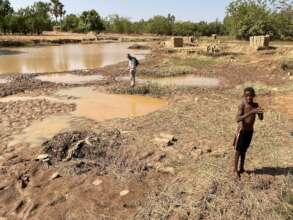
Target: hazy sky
pixel 193 10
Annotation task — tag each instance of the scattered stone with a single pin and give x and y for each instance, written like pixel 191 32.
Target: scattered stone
pixel 166 139
pixel 147 155
pixel 23 180
pixel 161 157
pixel 42 157
pixel 124 193
pixel 97 182
pixel 169 136
pixel 168 170
pixel 195 155
pixel 209 150
pixel 55 176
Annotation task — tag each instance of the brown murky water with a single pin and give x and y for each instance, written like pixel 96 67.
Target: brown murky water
pixel 100 106
pixel 41 131
pixel 90 104
pixel 70 78
pixel 64 58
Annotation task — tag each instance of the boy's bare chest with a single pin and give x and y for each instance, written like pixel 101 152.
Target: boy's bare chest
pixel 248 108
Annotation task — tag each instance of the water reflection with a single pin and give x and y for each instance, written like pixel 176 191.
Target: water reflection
pixel 64 58
pixel 9 52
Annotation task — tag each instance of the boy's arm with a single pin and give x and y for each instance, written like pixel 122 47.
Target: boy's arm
pixel 240 116
pixel 260 113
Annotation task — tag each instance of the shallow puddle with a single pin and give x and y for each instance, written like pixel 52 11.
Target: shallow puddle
pixel 90 104
pixel 40 131
pixel 70 78
pixel 100 106
pixel 189 81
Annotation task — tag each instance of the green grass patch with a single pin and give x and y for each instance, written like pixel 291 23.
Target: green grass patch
pixel 148 89
pixel 195 61
pixel 167 71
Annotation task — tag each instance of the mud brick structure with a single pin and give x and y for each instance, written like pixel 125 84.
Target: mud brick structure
pixel 175 42
pixel 260 42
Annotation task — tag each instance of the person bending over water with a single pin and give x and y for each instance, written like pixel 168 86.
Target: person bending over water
pixel 132 65
pixel 245 118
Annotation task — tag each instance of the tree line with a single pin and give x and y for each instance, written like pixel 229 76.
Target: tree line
pixel 243 19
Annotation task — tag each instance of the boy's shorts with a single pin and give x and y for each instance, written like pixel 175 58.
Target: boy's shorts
pixel 243 141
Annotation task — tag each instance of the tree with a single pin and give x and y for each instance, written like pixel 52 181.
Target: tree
pixel 57 10
pixel 118 24
pixel 184 28
pixel 91 21
pixel 5 11
pixel 71 23
pixel 162 25
pixel 251 17
pixel 40 17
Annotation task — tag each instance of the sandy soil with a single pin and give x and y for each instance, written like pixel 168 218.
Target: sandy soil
pixel 124 169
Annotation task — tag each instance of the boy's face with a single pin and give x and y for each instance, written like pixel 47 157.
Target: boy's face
pixel 249 96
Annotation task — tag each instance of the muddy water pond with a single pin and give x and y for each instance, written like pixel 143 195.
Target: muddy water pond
pixel 64 57
pixel 90 104
pixel 100 106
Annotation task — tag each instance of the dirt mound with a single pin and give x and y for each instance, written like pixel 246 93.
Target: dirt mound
pixel 139 47
pixel 81 151
pixel 23 83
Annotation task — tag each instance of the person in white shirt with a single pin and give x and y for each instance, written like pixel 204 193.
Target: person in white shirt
pixel 132 65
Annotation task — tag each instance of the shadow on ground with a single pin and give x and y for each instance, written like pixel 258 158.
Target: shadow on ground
pixel 273 171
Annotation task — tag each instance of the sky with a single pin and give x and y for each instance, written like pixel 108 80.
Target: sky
pixel 191 10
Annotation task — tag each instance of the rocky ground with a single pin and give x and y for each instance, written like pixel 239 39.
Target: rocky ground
pixel 175 163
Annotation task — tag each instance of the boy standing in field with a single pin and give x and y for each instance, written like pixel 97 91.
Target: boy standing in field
pixel 245 118
pixel 132 65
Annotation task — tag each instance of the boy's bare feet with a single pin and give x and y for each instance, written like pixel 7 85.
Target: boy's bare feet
pixel 242 171
pixel 237 174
